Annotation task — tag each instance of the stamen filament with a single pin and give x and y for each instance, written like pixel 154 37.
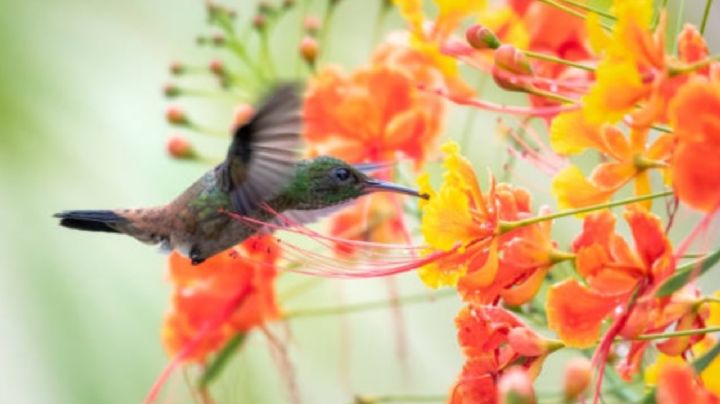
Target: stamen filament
pixel 684 333
pixel 360 307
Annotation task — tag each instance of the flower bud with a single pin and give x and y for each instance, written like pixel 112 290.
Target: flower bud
pixel 171 90
pixel 288 4
pixel 178 147
pixel 177 68
pixel 512 69
pixel 311 24
pixel 481 37
pixel 217 67
pixel 264 7
pixel 176 116
pixel 309 49
pixel 242 114
pixel 259 22
pixel 578 374
pixel 515 387
pixel 218 39
pixel 526 342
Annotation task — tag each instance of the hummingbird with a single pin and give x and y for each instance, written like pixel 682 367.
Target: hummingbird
pixel 262 176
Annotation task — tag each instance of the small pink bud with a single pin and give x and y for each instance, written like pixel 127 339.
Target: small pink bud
pixel 578 374
pixel 309 49
pixel 515 387
pixel 311 24
pixel 242 114
pixel 481 37
pixel 171 90
pixel 180 148
pixel 527 342
pixel 177 68
pixel 217 67
pixel 176 116
pixel 512 69
pixel 259 22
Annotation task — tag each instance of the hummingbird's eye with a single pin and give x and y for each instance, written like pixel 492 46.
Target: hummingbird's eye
pixel 342 174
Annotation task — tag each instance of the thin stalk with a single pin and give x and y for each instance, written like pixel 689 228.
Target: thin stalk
pixel 706 14
pixel 684 333
pixel 353 308
pixel 400 398
pixel 689 68
pixel 591 9
pixel 550 95
pixel 506 226
pixel 549 58
pixel 570 11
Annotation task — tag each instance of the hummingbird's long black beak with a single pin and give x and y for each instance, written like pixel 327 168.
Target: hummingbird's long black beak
pixel 375 185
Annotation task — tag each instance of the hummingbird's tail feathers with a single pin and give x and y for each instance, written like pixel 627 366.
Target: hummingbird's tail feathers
pixel 91 220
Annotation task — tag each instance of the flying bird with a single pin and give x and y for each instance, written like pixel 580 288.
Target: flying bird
pixel 262 176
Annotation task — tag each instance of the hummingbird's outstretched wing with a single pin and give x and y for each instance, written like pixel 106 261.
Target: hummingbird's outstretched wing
pixel 262 157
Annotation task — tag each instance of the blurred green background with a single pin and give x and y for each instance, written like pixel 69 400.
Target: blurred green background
pixel 81 126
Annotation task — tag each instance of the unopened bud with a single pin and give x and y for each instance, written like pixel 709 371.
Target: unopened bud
pixel 481 37
pixel 309 49
pixel 176 116
pixel 242 114
pixel 512 69
pixel 218 39
pixel 217 67
pixel 515 387
pixel 171 90
pixel 311 24
pixel 259 21
pixel 177 68
pixel 527 342
pixel 578 374
pixel 201 40
pixel 264 7
pixel 180 148
pixel 288 4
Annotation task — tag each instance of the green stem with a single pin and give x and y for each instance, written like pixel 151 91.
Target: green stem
pixel 684 333
pixel 506 226
pixel 570 11
pixel 549 58
pixel 265 52
pixel 689 68
pixel 550 95
pixel 706 14
pixel 590 9
pixel 400 398
pixel 353 308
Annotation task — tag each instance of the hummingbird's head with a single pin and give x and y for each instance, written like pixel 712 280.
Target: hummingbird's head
pixel 326 181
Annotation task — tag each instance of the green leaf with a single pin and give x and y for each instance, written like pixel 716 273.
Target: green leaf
pixel 218 363
pixel 683 273
pixel 704 361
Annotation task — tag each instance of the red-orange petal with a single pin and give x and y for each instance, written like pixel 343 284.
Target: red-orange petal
pixel 576 313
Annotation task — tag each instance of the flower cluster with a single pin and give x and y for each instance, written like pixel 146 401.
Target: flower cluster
pixel 617 112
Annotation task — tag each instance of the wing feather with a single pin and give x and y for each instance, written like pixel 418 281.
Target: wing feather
pixel 262 157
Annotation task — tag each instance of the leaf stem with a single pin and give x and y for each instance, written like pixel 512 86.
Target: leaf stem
pixel 506 226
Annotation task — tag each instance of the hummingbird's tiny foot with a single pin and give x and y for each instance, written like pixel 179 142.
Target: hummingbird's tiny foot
pixel 195 257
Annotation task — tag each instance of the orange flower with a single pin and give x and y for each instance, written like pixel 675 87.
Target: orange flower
pixel 694 117
pixel 631 159
pixel 612 270
pixel 201 293
pixel 486 263
pixel 370 115
pixel 678 384
pixel 484 336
